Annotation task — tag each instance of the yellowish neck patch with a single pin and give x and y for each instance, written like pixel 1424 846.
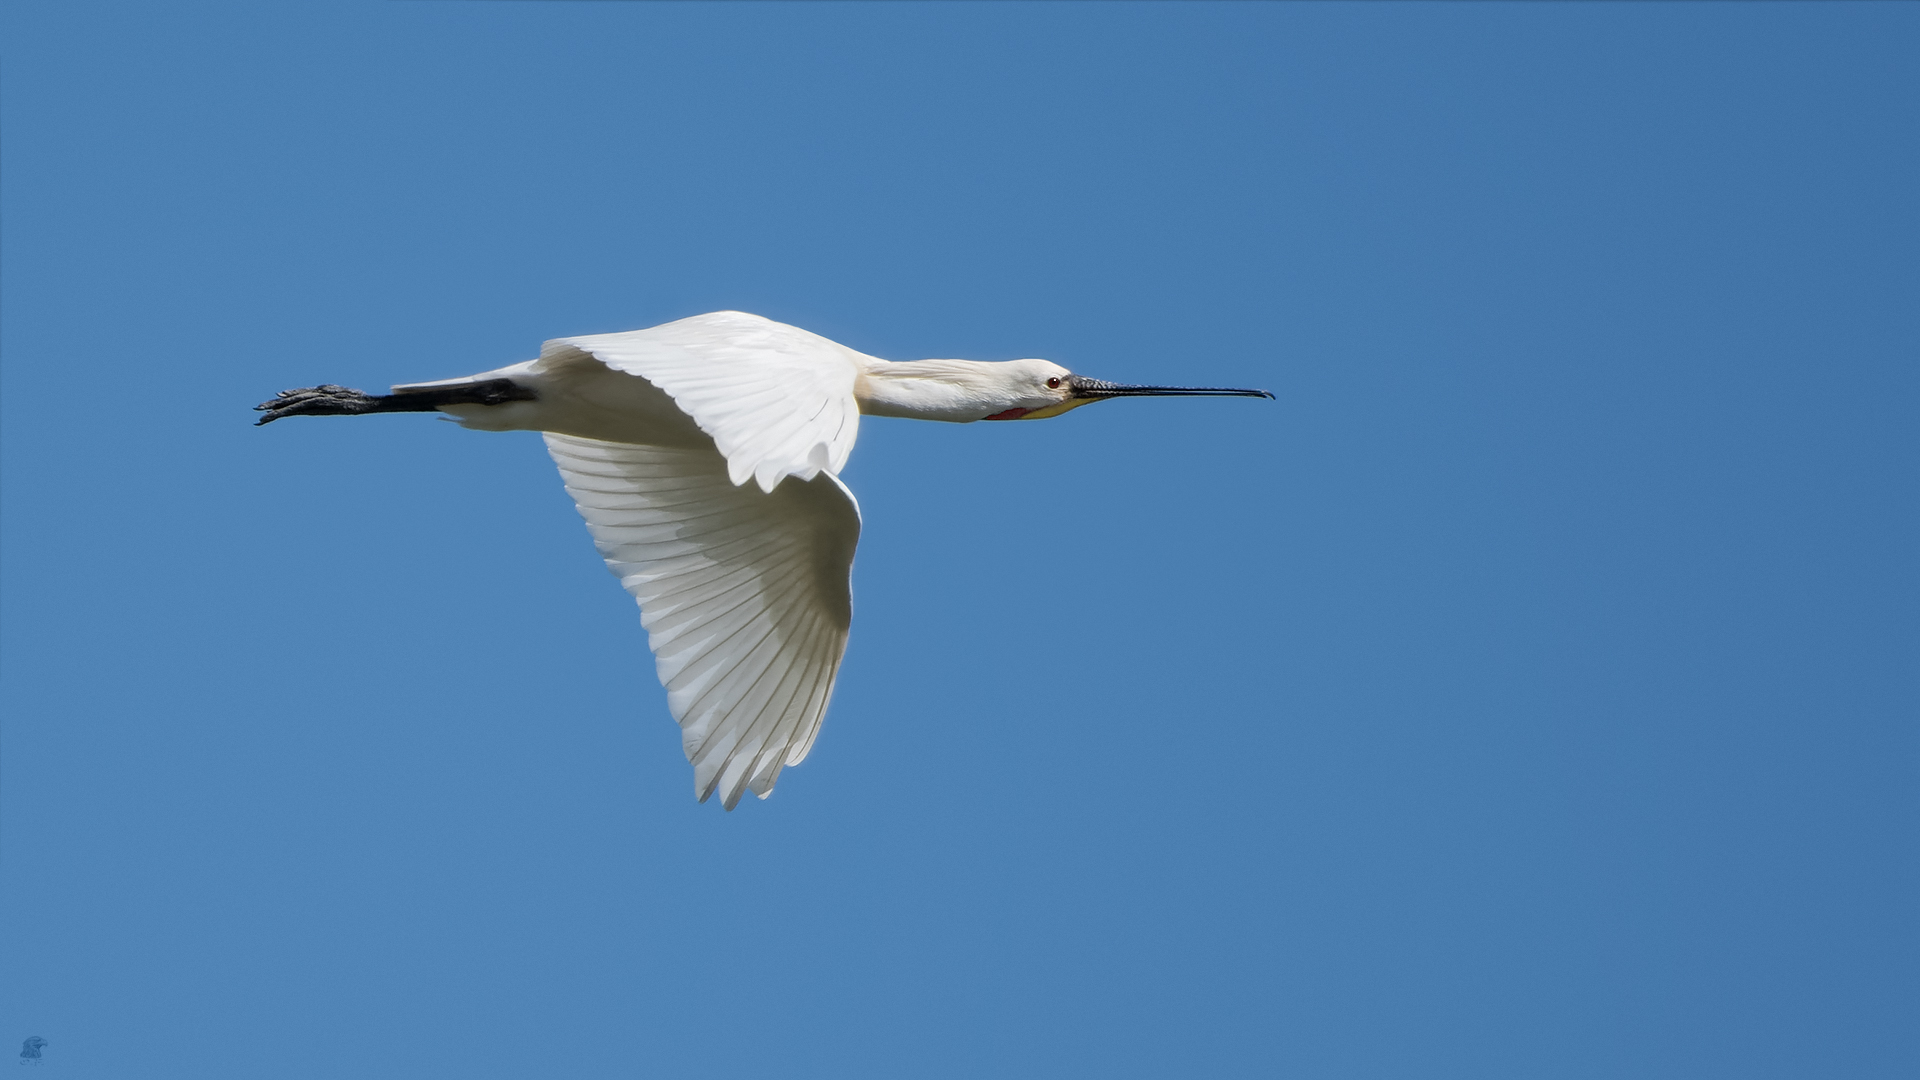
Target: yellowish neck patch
pixel 1055 410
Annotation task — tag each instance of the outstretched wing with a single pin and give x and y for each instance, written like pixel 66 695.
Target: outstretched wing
pixel 777 400
pixel 744 594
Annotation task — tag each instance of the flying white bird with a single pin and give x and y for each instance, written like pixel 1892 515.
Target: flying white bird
pixel 743 588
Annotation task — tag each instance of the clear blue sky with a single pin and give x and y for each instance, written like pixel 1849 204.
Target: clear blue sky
pixel 1528 692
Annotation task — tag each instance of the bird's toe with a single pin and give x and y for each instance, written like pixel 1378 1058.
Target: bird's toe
pixel 324 400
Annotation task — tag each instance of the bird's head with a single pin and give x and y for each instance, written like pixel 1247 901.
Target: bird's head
pixel 1042 389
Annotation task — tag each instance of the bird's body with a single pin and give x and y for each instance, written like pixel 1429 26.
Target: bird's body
pixel 705 456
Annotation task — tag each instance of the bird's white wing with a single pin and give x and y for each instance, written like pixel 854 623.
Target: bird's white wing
pixel 744 595
pixel 777 400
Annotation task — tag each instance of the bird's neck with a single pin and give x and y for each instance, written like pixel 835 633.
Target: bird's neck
pixel 957 391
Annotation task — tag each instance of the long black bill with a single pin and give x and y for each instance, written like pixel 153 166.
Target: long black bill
pixel 1084 387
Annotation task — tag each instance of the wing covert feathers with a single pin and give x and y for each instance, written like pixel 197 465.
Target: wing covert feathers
pixel 777 400
pixel 744 594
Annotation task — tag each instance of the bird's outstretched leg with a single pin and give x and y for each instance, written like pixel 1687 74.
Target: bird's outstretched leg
pixel 331 400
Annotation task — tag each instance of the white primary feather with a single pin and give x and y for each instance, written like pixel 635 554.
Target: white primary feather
pixel 744 593
pixel 777 400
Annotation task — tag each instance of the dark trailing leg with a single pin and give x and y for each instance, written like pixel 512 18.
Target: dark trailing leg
pixel 331 400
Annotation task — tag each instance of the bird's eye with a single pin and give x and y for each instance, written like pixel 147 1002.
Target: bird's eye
pixel 1053 383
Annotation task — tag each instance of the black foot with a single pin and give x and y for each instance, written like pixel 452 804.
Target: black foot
pixel 331 400
pixel 328 400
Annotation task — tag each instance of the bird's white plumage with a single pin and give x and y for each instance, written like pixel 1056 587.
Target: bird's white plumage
pixel 777 400
pixel 743 589
pixel 744 594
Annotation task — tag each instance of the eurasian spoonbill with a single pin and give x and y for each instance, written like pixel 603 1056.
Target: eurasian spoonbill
pixel 743 589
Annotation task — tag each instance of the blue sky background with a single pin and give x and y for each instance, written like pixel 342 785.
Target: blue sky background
pixel 1528 692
